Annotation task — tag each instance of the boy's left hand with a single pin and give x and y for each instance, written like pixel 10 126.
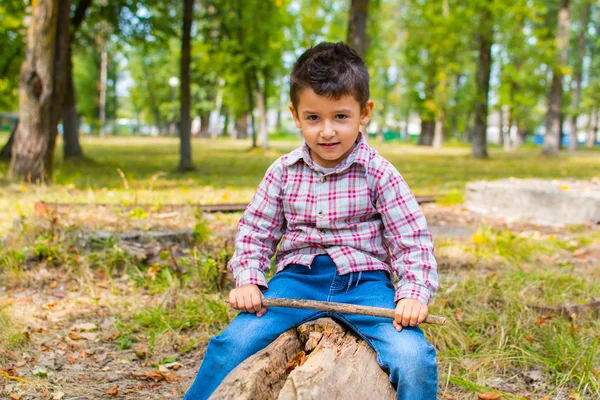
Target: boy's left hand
pixel 409 312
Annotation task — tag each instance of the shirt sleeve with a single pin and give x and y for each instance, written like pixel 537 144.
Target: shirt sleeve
pixel 259 231
pixel 409 241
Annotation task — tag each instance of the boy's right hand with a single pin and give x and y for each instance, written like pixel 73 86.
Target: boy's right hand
pixel 247 298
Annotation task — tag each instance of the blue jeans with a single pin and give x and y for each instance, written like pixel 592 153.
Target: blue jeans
pixel 407 356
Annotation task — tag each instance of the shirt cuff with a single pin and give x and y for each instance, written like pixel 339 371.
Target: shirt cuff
pixel 413 291
pixel 251 276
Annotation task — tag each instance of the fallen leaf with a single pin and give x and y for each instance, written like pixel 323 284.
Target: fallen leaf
pixel 157 376
pixel 15 396
pixel 74 336
pixel 460 316
pixel 58 396
pixel 489 396
pixel 447 396
pixel 113 391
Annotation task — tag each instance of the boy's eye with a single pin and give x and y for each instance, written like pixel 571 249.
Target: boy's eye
pixel 312 118
pixel 341 116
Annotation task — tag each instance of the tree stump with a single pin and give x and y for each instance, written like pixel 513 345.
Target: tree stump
pixel 320 359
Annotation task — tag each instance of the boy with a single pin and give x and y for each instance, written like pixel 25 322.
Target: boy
pixel 348 220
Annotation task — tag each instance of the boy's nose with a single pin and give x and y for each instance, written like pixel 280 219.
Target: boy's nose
pixel 327 132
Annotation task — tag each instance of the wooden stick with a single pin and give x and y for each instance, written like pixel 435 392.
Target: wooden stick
pixel 342 308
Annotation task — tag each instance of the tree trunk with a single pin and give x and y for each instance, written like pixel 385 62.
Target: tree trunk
pixel 427 133
pixel 71 146
pixel 262 109
pixel 103 83
pixel 226 124
pixel 319 360
pixel 185 145
pixel 505 128
pixel 486 33
pixel 7 149
pixel 593 132
pixel 585 16
pixel 251 104
pixel 552 123
pixel 70 118
pixel 438 136
pixel 215 126
pixel 357 26
pixel 41 90
pixel 241 127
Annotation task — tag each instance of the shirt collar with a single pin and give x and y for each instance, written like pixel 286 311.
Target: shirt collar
pixel 359 155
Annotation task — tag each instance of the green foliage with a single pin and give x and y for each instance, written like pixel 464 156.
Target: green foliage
pixel 12 43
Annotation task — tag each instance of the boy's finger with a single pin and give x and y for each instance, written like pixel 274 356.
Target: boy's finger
pixel 406 315
pixel 398 313
pixel 397 326
pixel 248 304
pixel 414 316
pixel 261 312
pixel 422 315
pixel 233 301
pixel 256 302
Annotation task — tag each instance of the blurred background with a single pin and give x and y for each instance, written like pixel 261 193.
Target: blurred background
pixel 481 72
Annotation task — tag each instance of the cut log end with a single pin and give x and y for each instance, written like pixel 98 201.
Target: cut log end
pixel 320 359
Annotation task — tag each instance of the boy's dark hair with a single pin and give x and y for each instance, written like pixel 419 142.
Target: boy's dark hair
pixel 330 69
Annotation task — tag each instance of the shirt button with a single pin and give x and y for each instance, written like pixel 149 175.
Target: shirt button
pixel 320 214
pixel 323 178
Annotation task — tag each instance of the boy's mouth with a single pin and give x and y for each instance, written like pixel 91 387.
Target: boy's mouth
pixel 328 146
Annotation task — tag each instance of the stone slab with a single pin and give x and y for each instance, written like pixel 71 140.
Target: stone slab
pixel 536 201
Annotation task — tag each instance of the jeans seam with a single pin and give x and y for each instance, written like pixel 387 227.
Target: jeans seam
pixel 357 331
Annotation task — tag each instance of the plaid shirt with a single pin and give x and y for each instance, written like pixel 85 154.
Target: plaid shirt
pixel 362 214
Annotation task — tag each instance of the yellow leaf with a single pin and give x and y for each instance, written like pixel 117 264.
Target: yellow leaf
pixel 564 187
pixel 478 238
pixel 21 188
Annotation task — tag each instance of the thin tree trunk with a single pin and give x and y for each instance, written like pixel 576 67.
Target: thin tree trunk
pixel 262 109
pixel 71 146
pixel 486 33
pixel 185 145
pixel 438 136
pixel 41 90
pixel 241 127
pixel 357 26
pixel 215 126
pixel 552 123
pixel 427 132
pixel 226 124
pixel 251 103
pixel 279 105
pixel 509 123
pixel 593 132
pixel 585 16
pixel 520 138
pixel 204 124
pixel 103 84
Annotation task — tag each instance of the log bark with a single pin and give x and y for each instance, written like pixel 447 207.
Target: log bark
pixel 320 359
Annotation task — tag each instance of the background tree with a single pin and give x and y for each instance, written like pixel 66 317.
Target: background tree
pixel 41 90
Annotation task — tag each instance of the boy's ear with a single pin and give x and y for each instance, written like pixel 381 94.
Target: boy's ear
pixel 295 115
pixel 366 113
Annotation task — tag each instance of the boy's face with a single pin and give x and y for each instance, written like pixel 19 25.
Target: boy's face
pixel 330 127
